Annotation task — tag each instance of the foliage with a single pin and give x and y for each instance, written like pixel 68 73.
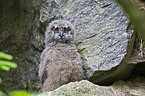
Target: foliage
pixel 6 65
pixel 19 93
pixel 136 17
pixel 2 93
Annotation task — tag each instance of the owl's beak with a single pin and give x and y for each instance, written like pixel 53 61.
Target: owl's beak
pixel 61 34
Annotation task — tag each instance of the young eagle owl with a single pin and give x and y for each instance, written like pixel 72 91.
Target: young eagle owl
pixel 60 63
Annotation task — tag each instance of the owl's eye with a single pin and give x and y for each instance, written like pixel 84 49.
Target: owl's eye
pixel 65 30
pixel 56 30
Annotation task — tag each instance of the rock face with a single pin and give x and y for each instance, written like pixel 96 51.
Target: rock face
pixel 19 20
pixel 100 29
pixel 101 35
pixel 134 87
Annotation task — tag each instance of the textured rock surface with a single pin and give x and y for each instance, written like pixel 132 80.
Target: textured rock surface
pixel 134 87
pixel 99 24
pixel 100 29
pixel 18 23
pixel 101 35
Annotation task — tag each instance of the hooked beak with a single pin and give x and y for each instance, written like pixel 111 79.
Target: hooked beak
pixel 61 34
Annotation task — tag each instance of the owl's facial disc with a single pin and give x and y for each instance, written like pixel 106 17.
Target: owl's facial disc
pixel 61 31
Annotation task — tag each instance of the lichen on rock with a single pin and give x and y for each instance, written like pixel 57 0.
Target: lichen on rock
pixel 132 87
pixel 101 31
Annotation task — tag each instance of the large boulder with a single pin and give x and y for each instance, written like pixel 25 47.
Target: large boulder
pixel 134 87
pixel 103 37
pixel 19 20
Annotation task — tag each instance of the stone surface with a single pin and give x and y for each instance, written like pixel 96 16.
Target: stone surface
pixel 133 87
pixel 100 29
pixel 101 38
pixel 19 20
pixel 101 35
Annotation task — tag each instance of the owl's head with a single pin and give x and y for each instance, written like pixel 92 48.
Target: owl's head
pixel 60 31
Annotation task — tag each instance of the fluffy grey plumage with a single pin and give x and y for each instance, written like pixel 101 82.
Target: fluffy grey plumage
pixel 59 31
pixel 60 62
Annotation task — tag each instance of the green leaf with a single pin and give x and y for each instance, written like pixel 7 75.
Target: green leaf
pixel 135 15
pixel 19 93
pixel 2 93
pixel 8 64
pixel 6 68
pixel 5 56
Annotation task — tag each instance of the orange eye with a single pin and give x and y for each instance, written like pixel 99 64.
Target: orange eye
pixel 65 30
pixel 56 30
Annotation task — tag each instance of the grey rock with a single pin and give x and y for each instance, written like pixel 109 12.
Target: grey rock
pixel 134 87
pixel 18 28
pixel 98 23
pixel 101 36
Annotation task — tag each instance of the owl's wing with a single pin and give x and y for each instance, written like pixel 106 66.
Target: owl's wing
pixel 43 64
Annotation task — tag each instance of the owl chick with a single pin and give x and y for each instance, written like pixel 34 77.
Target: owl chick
pixel 60 62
